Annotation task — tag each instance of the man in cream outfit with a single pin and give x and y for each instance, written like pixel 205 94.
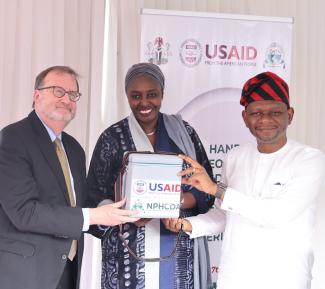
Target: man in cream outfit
pixel 266 199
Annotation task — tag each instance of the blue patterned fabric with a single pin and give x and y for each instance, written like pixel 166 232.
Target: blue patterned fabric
pixel 119 269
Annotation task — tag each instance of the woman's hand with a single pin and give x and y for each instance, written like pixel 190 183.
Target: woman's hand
pixel 175 225
pixel 188 201
pixel 142 222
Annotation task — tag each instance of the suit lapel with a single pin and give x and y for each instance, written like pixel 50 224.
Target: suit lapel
pixel 47 148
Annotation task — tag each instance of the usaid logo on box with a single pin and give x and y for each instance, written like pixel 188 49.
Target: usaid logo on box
pixel 160 199
pixel 151 184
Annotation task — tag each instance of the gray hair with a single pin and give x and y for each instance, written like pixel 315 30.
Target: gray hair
pixel 64 69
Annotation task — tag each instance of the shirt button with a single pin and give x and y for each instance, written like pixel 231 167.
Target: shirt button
pixel 64 257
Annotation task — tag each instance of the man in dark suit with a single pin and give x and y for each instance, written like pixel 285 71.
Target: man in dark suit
pixel 42 189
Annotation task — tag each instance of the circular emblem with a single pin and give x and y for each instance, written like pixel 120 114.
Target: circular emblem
pixel 190 52
pixel 274 56
pixel 139 187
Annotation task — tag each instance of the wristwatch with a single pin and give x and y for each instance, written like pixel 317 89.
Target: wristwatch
pixel 222 187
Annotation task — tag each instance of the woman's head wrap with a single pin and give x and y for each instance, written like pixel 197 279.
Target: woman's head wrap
pixel 265 86
pixel 145 68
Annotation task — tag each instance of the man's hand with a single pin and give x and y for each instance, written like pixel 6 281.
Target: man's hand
pixel 112 215
pixel 175 225
pixel 197 177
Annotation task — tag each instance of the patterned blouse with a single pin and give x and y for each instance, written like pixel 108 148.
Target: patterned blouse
pixel 119 269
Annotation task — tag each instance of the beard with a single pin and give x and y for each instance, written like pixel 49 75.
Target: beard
pixel 272 137
pixel 54 113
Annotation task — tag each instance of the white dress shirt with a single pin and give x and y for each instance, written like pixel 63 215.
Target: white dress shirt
pixel 270 206
pixel 85 211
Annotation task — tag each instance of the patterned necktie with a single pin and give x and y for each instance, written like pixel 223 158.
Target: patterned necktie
pixel 66 172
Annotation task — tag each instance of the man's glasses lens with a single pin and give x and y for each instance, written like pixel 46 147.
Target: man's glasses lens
pixel 60 92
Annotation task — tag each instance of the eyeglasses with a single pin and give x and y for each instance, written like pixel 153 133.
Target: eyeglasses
pixel 59 92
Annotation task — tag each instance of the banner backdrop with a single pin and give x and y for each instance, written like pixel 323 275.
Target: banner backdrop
pixel 206 58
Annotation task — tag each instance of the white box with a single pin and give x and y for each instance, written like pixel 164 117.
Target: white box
pixel 151 185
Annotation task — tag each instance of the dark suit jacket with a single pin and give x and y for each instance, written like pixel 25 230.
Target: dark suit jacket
pixel 37 225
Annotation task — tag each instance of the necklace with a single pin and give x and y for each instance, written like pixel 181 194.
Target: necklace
pixel 150 133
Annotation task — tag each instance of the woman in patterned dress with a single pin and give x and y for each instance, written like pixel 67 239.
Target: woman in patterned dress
pixel 147 129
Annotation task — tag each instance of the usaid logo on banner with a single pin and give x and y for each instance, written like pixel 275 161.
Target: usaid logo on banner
pixel 190 52
pixel 158 51
pixel 230 55
pixel 140 187
pixel 274 56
